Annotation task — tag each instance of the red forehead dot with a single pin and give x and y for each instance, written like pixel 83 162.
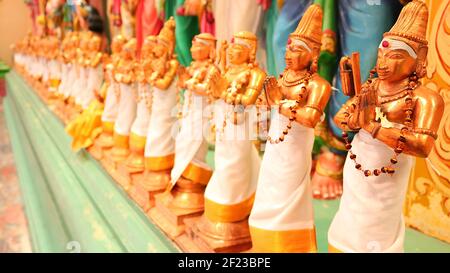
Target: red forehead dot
pixel 385 44
pixel 289 41
pixel 232 39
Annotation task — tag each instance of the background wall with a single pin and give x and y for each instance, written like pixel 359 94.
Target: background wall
pixel 15 22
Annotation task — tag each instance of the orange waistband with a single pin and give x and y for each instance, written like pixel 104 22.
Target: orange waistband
pixel 332 249
pixel 120 141
pixel 137 142
pixel 161 163
pixel 197 174
pixel 108 127
pixel 228 213
pixel 283 241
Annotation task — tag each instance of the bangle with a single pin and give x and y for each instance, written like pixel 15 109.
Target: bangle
pixel 238 99
pixel 315 108
pixel 348 123
pixel 376 129
pixel 425 132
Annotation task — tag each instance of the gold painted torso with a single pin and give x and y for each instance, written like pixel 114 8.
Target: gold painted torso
pixel 292 85
pixel 393 108
pixel 238 79
pixel 198 71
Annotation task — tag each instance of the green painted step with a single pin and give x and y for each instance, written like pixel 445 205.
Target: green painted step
pixel 98 215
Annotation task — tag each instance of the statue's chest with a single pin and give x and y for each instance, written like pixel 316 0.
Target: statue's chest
pixel 237 81
pixel 296 92
pixel 394 112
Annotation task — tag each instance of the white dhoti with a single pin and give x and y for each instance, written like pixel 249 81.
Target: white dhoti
pixel 109 114
pixel 160 145
pixel 35 70
pixel 282 218
pixel 141 122
pixel 54 75
pixel 64 78
pixel 230 192
pixel 71 80
pixel 44 68
pixel 80 85
pixel 370 218
pixel 93 84
pixel 190 145
pixel 126 110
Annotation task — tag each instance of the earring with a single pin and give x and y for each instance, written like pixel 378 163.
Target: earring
pixel 314 65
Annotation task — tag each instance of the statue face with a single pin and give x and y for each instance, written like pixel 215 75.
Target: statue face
pixel 159 50
pixel 117 46
pixel 394 65
pixel 146 50
pixel 297 57
pixel 238 54
pixel 200 51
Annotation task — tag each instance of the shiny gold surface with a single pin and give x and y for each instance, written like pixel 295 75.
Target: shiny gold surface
pixel 395 67
pixel 241 80
pixel 289 90
pixel 164 65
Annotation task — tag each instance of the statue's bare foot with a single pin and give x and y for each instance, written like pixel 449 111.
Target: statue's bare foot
pixel 327 178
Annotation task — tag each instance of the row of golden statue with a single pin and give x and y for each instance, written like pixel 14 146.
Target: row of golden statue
pixel 266 205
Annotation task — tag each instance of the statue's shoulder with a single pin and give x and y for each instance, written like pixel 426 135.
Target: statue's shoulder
pixel 425 95
pixel 258 72
pixel 320 81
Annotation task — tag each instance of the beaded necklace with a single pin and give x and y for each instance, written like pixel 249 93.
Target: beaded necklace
pixel 305 81
pixel 401 141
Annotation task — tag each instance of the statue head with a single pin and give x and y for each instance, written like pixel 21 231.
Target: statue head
pixel 147 46
pixel 95 44
pixel 129 49
pixel 403 50
pixel 304 43
pixel 165 45
pixel 117 44
pixel 243 48
pixel 203 47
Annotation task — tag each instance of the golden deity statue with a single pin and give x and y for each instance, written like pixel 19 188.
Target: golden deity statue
pixel 126 111
pixel 143 71
pixel 111 100
pixel 72 55
pixel 397 119
pixel 160 144
pixel 54 67
pixel 230 192
pixel 282 217
pixel 185 196
pixel 81 65
pixel 92 62
pixel 86 126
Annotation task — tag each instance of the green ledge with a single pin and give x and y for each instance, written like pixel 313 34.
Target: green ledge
pixel 72 204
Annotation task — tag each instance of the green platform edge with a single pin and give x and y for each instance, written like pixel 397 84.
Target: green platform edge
pixel 113 222
pixel 71 203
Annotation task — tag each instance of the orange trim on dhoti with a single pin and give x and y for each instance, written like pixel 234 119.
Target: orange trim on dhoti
pixel 161 163
pixel 283 241
pixel 197 174
pixel 54 83
pixel 121 141
pixel 108 127
pixel 137 142
pixel 332 249
pixel 228 213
